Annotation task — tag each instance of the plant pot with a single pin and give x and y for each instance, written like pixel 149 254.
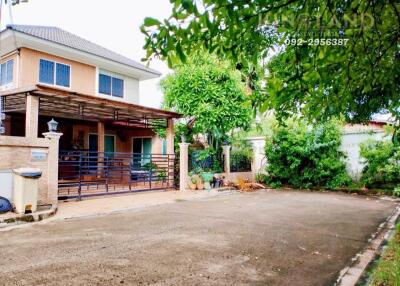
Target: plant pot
pixel 207 177
pixel 192 186
pixel 200 185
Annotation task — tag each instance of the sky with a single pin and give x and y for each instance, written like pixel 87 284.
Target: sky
pixel 113 24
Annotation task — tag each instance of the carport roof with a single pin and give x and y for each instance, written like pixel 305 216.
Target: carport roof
pixel 66 104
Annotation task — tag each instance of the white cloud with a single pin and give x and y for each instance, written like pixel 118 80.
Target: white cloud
pixel 112 24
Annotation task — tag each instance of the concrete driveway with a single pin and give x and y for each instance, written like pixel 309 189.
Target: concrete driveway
pixel 263 238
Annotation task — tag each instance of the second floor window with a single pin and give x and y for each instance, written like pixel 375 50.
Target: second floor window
pixel 54 73
pixel 6 72
pixel 111 85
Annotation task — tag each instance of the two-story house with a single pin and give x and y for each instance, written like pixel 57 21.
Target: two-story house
pixel 93 94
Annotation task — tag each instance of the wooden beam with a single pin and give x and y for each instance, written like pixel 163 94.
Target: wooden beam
pixel 42 89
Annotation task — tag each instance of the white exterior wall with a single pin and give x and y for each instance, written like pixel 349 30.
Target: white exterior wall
pixel 131 87
pixel 351 147
pixel 259 160
pixel 131 90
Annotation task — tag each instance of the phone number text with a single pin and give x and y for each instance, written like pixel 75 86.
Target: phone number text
pixel 316 42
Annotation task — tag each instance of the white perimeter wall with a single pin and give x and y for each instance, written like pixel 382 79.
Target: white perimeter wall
pixel 351 146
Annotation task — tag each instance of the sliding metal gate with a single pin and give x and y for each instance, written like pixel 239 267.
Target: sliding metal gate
pixel 87 173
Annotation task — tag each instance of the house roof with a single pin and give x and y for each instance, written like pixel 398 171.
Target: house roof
pixel 62 37
pixel 385 118
pixel 362 128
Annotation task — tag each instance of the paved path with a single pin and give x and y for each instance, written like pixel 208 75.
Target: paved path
pixel 110 204
pixel 263 238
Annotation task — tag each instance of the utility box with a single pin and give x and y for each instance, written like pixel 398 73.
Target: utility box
pixel 26 185
pixel 6 190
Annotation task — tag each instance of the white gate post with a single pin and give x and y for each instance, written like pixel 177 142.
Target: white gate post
pixel 54 139
pixel 257 165
pixel 183 166
pixel 227 160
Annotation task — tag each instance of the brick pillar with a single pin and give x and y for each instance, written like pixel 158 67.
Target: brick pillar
pixel 32 116
pixel 226 150
pixel 183 166
pixel 52 193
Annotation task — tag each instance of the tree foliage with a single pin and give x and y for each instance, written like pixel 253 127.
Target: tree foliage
pixel 304 157
pixel 355 80
pixel 211 92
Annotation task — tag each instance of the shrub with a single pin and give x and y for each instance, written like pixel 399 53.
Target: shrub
pixel 396 191
pixel 306 157
pixel 382 159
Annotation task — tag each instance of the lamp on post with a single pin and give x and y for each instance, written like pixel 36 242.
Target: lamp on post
pixel 53 125
pixel 2 128
pixel 2 118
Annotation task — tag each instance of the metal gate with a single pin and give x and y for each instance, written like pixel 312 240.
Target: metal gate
pixel 87 173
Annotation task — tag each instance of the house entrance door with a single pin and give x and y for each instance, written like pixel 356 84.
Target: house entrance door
pixel 141 148
pixel 109 143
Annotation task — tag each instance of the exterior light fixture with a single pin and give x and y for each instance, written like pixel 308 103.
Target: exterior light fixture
pixel 52 124
pixel 2 118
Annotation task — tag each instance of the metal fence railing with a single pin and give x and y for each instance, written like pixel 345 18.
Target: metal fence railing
pixel 87 173
pixel 240 162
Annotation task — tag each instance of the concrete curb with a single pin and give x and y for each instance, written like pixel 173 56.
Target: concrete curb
pixel 10 222
pixel 352 274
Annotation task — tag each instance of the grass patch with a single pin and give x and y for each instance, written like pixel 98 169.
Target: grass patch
pixel 387 270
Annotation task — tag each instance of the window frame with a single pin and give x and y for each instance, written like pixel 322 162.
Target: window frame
pixel 98 90
pixel 10 83
pixel 55 74
pixel 112 76
pixel 112 85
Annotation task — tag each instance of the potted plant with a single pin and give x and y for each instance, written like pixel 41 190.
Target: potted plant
pixel 200 183
pixel 207 178
pixel 192 181
pixel 196 177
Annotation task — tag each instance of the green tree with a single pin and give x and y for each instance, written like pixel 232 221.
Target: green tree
pixel 354 77
pixel 210 92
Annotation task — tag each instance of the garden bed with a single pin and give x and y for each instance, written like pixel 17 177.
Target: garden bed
pixel 387 269
pixel 376 192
